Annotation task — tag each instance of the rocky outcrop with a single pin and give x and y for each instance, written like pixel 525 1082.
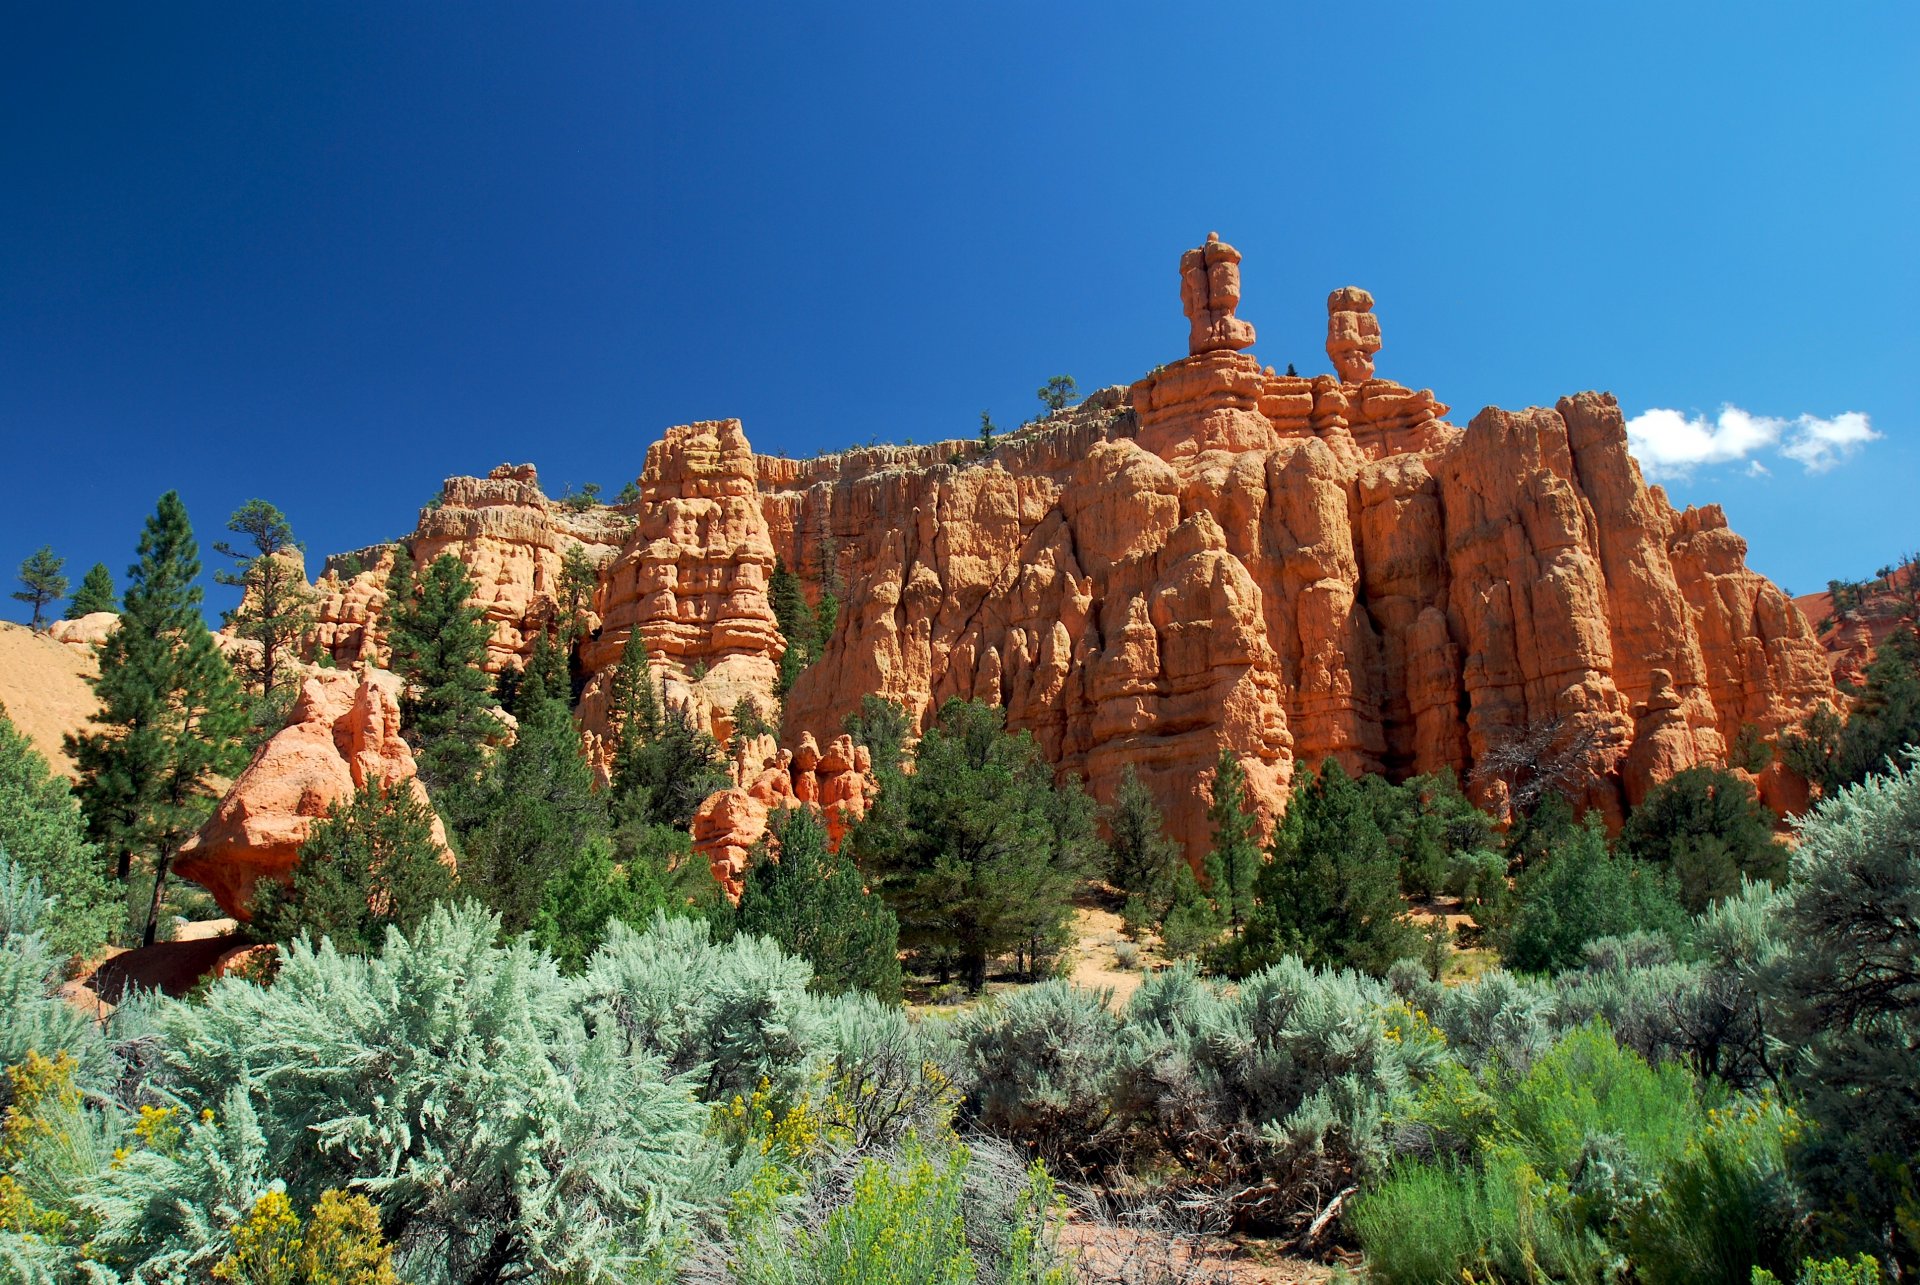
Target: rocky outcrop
pixel 513 541
pixel 692 579
pixel 838 784
pixel 1219 557
pixel 343 732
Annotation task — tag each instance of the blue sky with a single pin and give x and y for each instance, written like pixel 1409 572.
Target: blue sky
pixel 328 254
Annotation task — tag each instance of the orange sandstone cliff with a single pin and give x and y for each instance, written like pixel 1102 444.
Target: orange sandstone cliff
pixel 1288 568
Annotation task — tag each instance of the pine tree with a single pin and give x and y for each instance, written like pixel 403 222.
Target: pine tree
pixel 537 810
pixel 1233 862
pixel 1056 393
pixel 579 578
pixel 972 851
pixel 170 711
pixel 1710 830
pixel 1331 891
pixel 399 592
pixel 370 865
pixel 986 434
pixel 439 645
pixel 276 606
pixel 1143 861
pixel 882 726
pixel 797 625
pixel 44 833
pixel 635 718
pixel 816 906
pixel 40 573
pixel 95 593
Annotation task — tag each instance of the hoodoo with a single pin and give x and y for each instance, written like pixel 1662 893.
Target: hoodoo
pixel 1220 556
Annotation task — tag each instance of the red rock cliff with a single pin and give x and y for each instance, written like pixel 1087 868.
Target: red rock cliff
pixel 1290 568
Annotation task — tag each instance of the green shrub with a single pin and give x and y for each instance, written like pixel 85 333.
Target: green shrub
pixel 1578 891
pixel 1727 1207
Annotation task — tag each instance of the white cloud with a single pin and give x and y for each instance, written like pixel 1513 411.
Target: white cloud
pixel 1670 444
pixel 1819 444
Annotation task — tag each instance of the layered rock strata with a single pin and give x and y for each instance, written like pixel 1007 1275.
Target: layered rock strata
pixel 343 732
pixel 1219 557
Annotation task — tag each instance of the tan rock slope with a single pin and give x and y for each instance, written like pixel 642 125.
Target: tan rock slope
pixel 43 686
pixel 1219 557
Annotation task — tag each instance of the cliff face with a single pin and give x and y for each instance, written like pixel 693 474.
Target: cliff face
pixel 1219 557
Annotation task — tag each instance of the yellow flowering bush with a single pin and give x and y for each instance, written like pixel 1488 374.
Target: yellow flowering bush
pixel 340 1244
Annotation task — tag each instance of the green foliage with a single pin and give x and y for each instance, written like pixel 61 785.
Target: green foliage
pixel 987 430
pixel 1885 719
pixel 1850 987
pixel 748 723
pixel 1142 861
pixel 43 582
pixel 1859 1270
pixel 805 628
pixel 276 605
pixel 642 871
pixel 170 712
pixel 1710 830
pixel 664 763
pixel 30 1018
pixel 585 498
pixel 43 831
pixel 537 811
pixel 883 727
pixel 460 1084
pixel 1057 393
pixel 579 579
pixel 1725 1210
pixel 815 905
pixel 1579 892
pixel 340 1244
pixel 1537 1173
pixel 1233 862
pixel 439 643
pixel 1048 1068
pixel 1430 826
pixel 1193 923
pixel 629 494
pixel 977 852
pixel 94 594
pixel 1331 892
pixel 370 865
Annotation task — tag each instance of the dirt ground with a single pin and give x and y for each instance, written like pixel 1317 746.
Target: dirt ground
pixel 43 685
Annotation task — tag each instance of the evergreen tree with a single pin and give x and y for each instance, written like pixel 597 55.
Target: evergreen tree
pixel 1233 862
pixel 797 625
pixel 1430 825
pixel 43 832
pixel 972 851
pixel 40 573
pixel 629 494
pixel 399 592
pixel 439 641
pixel 815 905
pixel 579 578
pixel 1192 924
pixel 1579 892
pixel 170 711
pixel 635 719
pixel 276 606
pixel 986 434
pixel 1331 891
pixel 645 870
pixel 1885 717
pixel 370 865
pixel 672 774
pixel 1056 393
pixel 1143 862
pixel 537 811
pixel 94 594
pixel 1710 830
pixel 882 726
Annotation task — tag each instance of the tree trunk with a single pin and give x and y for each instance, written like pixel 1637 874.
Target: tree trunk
pixel 153 906
pixel 977 971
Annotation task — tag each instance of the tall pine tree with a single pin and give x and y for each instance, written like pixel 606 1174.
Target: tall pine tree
pixel 170 716
pixel 1233 863
pixel 1331 892
pixel 276 605
pixel 537 811
pixel 1144 861
pixel 439 641
pixel 94 594
pixel 664 763
pixel 973 851
pixel 815 904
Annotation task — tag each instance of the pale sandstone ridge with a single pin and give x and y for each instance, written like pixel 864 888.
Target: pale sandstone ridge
pixel 838 783
pixel 343 732
pixel 44 686
pixel 1219 557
